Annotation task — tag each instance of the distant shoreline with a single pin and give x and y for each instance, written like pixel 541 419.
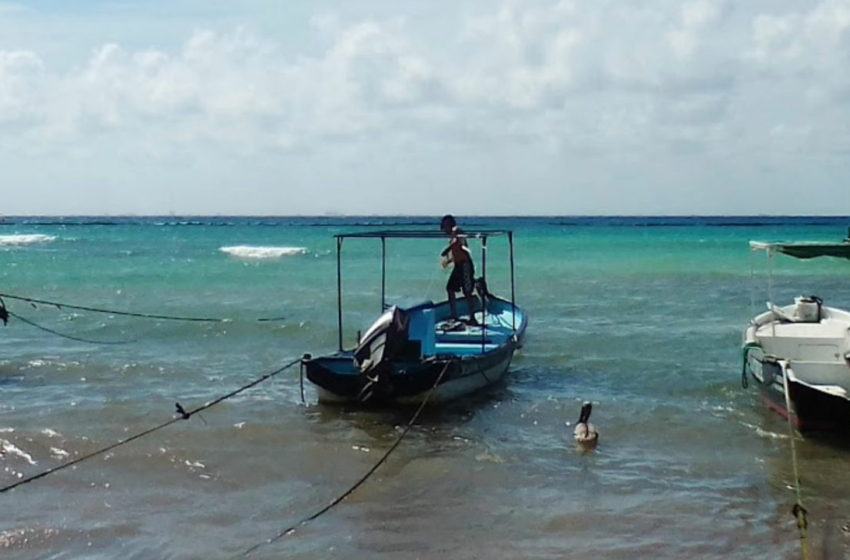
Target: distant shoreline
pixel 182 217
pixel 839 222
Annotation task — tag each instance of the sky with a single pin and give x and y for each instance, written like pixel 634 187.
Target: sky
pixel 422 107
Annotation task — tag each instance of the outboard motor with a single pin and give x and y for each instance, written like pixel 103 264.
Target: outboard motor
pixel 374 356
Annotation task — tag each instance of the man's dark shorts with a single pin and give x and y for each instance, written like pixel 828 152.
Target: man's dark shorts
pixel 462 278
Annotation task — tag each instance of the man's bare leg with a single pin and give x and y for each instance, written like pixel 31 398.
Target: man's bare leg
pixel 453 305
pixel 470 303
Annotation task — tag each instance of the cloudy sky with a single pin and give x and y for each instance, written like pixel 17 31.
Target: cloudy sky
pixel 424 106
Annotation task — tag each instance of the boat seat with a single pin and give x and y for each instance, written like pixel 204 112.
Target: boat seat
pixel 423 328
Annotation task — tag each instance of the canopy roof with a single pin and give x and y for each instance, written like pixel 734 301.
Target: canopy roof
pixel 423 234
pixel 805 250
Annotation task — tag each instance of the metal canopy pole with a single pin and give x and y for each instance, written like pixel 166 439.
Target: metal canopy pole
pixel 339 287
pixel 513 286
pixel 770 290
pixel 752 283
pixel 483 296
pixel 383 273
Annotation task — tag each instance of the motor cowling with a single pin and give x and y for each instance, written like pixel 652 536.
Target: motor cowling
pixel 375 353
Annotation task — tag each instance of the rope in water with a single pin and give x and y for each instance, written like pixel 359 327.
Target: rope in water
pixel 182 415
pixel 61 305
pixel 336 501
pixel 4 313
pixel 63 335
pixel 798 510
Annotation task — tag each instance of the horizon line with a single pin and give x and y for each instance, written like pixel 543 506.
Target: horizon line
pixel 420 216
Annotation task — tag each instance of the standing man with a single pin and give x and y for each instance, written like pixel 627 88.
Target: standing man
pixel 462 278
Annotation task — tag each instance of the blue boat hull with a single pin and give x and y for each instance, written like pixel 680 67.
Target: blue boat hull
pixel 471 361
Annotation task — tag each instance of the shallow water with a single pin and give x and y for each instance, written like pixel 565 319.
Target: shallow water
pixel 643 317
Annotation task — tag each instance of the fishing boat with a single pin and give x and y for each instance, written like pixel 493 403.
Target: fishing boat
pixel 418 352
pixel 799 354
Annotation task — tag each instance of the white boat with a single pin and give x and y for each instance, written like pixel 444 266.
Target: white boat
pixel 799 354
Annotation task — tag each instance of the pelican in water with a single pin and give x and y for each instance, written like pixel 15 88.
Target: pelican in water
pixel 585 433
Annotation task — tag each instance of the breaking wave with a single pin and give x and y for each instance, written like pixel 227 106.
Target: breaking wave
pixel 262 253
pixel 8 448
pixel 25 239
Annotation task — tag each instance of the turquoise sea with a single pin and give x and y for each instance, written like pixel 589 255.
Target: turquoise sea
pixel 641 316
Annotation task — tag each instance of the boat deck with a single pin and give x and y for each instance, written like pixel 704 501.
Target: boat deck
pixel 432 328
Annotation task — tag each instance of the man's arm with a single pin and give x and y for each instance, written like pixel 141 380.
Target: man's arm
pixel 452 243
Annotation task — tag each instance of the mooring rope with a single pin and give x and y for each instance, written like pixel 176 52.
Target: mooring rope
pixel 4 313
pixel 182 415
pixel 799 511
pixel 336 501
pixel 61 305
pixel 63 335
pixel 745 367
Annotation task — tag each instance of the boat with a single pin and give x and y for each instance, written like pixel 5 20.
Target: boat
pixel 798 355
pixel 418 352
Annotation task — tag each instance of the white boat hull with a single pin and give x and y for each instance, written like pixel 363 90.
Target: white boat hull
pixel 813 355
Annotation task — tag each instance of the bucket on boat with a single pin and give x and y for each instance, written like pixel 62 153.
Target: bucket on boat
pixel 807 309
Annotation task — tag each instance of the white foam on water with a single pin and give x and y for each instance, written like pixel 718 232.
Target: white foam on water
pixel 764 433
pixel 50 433
pixel 59 453
pixel 7 447
pixel 262 253
pixel 18 538
pixel 25 239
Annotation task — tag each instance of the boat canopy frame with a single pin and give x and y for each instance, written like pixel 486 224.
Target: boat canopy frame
pixel 482 234
pixel 805 251
pixel 798 250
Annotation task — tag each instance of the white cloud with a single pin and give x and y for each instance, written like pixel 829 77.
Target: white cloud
pixel 371 76
pixel 816 35
pixel 696 18
pixel 813 45
pixel 571 86
pixel 21 72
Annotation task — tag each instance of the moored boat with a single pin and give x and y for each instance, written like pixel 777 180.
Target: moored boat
pixel 419 352
pixel 799 354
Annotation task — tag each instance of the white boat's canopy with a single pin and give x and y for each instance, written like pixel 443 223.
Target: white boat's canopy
pixel 805 250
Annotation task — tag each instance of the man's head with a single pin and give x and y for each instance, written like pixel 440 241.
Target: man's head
pixel 447 223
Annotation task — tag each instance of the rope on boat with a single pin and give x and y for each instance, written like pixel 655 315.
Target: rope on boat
pixel 799 511
pixel 745 366
pixel 301 376
pixel 183 414
pixel 61 305
pixel 336 501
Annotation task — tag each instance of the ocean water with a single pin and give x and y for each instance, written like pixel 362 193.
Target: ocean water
pixel 641 316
